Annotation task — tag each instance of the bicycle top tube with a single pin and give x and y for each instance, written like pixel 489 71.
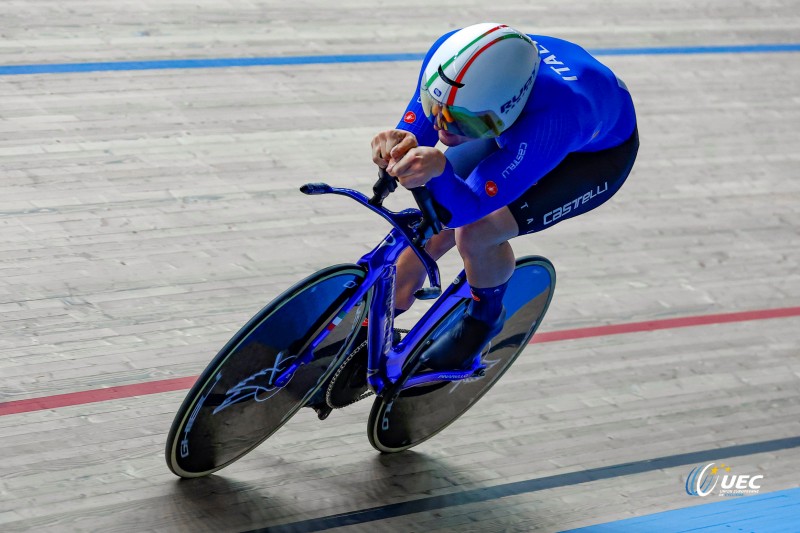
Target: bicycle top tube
pixel 408 222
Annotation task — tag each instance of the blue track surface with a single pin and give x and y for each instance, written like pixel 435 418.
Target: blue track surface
pixel 774 512
pixel 61 68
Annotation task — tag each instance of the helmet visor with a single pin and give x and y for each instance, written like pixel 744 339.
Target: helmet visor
pixel 460 121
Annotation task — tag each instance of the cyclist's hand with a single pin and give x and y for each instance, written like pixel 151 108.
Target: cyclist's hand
pixel 418 166
pixel 388 147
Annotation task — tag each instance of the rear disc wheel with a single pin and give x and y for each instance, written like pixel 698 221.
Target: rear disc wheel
pixel 419 413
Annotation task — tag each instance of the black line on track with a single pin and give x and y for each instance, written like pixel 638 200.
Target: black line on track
pixel 531 485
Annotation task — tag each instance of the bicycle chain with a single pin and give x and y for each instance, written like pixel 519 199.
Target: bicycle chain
pixel 365 394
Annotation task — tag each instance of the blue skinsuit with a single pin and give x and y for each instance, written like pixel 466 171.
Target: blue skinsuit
pixel 577 105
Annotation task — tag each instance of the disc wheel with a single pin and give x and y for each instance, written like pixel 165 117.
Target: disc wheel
pixel 236 402
pixel 419 413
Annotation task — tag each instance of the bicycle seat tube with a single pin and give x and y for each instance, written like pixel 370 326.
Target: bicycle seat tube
pixel 381 270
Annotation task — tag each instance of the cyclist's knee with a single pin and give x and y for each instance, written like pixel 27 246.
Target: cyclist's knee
pixel 492 230
pixel 474 239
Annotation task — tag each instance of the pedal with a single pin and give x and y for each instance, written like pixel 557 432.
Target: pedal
pixel 428 293
pixel 323 411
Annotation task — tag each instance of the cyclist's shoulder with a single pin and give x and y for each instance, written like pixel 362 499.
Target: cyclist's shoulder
pixel 570 75
pixel 548 45
pixel 560 53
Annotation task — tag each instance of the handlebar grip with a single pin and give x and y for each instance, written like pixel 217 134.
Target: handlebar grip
pixel 385 185
pixel 315 188
pixel 425 203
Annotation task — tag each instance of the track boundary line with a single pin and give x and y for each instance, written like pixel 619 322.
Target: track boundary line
pixel 231 62
pixel 527 486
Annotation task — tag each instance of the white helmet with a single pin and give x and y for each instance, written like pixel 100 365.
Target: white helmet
pixel 478 80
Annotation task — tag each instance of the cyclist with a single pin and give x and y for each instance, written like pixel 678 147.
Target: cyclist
pixel 537 131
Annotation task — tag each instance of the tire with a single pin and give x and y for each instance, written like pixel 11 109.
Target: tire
pixel 419 413
pixel 234 405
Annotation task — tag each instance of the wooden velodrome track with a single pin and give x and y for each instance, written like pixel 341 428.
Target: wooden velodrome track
pixel 146 214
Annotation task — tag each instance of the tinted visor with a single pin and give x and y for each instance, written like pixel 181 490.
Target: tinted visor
pixel 460 121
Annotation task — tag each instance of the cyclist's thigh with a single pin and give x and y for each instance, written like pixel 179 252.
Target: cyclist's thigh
pixel 581 182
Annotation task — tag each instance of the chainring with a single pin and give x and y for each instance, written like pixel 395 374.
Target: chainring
pixel 341 391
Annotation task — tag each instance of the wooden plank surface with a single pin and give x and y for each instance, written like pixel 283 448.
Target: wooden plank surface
pixel 146 215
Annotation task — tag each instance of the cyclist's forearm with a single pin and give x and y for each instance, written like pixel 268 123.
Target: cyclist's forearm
pixel 456 196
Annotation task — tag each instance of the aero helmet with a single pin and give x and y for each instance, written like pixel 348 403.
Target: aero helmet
pixel 478 80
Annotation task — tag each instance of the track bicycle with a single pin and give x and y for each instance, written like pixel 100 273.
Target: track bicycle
pixel 303 341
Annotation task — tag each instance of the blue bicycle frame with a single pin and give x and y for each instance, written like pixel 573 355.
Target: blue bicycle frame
pixel 386 361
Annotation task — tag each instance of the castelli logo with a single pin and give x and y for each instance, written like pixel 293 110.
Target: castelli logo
pixel 491 188
pixel 410 117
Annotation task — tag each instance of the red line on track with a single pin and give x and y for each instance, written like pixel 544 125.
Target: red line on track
pixel 666 323
pixel 97 395
pixel 168 385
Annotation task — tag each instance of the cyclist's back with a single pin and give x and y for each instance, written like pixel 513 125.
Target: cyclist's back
pixel 598 101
